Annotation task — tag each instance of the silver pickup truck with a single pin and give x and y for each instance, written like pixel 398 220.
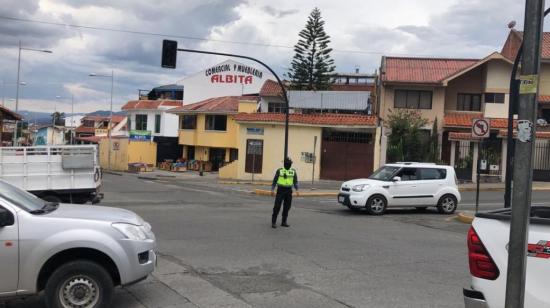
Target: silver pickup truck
pixel 76 254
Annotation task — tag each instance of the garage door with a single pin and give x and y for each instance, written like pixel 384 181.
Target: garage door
pixel 346 155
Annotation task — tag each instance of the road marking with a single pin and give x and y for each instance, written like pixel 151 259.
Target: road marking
pixel 502 203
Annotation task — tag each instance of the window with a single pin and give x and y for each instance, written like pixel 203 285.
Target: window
pixel 141 122
pixel 276 107
pixel 494 98
pixel 413 99
pixel 468 102
pixel 157 123
pixel 216 122
pixel 88 123
pixel 408 174
pixel 233 154
pixel 433 174
pixel 188 121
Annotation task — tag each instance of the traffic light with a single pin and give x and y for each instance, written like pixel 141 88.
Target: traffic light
pixel 169 53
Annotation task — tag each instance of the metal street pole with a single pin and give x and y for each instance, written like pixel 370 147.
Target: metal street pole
pixel 524 151
pixel 72 118
pixel 109 135
pixel 287 108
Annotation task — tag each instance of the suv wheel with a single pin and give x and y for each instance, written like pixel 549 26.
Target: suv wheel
pixel 447 204
pixel 81 284
pixel 376 205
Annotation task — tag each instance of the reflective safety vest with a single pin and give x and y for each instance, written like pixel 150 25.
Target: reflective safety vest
pixel 286 177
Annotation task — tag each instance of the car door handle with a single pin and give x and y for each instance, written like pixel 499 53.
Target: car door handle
pixel 413 186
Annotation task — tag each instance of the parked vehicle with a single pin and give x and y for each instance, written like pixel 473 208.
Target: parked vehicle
pixel 488 257
pixel 69 174
pixel 77 254
pixel 419 185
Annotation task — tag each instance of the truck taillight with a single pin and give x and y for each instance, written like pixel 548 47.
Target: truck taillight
pixel 481 263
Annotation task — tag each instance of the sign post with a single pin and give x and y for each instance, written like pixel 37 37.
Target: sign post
pixel 480 130
pixel 523 158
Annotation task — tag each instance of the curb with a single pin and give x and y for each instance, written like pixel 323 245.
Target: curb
pixel 111 172
pixel 244 183
pixel 465 218
pixel 147 178
pixel 264 192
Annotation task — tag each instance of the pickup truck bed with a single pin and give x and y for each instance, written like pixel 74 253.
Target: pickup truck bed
pixel 488 257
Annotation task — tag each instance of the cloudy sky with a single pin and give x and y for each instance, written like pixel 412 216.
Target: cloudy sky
pixel 361 31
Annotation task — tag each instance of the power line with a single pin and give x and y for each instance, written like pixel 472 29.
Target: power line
pixel 186 37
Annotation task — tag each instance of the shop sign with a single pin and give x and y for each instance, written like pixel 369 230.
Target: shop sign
pixel 232 73
pixel 254 131
pixel 140 135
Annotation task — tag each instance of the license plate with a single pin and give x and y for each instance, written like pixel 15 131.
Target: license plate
pixel 341 199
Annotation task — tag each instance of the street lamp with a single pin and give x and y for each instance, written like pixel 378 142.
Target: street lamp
pixel 19 70
pixel 109 134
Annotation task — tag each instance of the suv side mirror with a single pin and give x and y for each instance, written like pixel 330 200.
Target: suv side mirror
pixel 396 179
pixel 6 218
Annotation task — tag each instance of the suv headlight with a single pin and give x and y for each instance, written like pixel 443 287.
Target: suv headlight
pixel 132 232
pixel 359 188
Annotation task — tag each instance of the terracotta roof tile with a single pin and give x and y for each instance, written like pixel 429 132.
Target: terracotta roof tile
pixel 465 119
pixel 224 104
pixel 461 136
pixel 311 119
pixel 422 70
pixel 514 40
pixel 84 129
pixel 544 99
pixel 271 88
pixel 151 104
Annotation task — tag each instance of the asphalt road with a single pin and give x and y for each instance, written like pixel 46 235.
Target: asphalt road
pixel 218 250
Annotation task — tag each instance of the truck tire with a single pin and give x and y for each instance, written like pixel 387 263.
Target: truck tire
pixel 52 198
pixel 376 205
pixel 79 283
pixel 447 204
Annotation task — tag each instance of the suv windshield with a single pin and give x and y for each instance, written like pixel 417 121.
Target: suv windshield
pixel 21 198
pixel 384 174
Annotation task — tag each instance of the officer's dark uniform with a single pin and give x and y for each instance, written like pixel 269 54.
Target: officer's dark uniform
pixel 285 178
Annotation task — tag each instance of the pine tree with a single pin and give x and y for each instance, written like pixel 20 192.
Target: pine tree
pixel 312 64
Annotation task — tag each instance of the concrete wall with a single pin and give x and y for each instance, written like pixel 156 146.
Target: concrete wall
pixel 125 151
pixel 497 80
pixel 208 138
pixel 169 123
pixel 438 102
pixel 469 83
pixel 300 140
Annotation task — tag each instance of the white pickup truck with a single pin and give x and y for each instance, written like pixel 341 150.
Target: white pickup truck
pixel 62 174
pixel 488 257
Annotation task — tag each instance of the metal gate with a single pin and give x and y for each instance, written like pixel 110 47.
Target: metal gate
pixel 168 148
pixel 464 153
pixel 541 164
pixel 346 155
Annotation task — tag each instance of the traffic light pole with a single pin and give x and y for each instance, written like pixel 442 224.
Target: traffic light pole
pixel 523 171
pixel 285 97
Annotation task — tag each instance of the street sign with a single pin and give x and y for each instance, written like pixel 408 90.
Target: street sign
pixel 480 128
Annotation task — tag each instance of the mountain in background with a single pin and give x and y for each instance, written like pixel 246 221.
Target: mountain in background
pixel 41 118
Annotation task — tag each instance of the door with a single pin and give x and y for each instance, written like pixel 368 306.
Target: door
pixel 9 254
pixel 346 155
pixel 405 192
pixel 254 156
pixel 217 158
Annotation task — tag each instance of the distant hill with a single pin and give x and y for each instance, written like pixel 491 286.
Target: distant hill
pixel 41 118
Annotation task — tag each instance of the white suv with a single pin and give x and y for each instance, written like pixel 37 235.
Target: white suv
pixel 417 185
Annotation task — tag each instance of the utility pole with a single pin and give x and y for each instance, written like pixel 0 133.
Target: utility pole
pixel 523 171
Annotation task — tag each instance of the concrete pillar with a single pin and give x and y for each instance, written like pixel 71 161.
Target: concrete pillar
pixel 383 146
pixel 474 162
pixel 453 153
pixel 503 156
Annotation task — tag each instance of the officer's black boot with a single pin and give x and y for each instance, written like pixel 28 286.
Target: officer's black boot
pixel 273 223
pixel 284 224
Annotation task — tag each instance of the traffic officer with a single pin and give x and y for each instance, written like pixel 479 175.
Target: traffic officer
pixel 285 178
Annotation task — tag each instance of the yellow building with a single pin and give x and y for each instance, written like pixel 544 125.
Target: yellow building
pixel 322 146
pixel 208 131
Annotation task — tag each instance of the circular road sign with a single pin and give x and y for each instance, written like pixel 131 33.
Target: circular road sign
pixel 480 128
